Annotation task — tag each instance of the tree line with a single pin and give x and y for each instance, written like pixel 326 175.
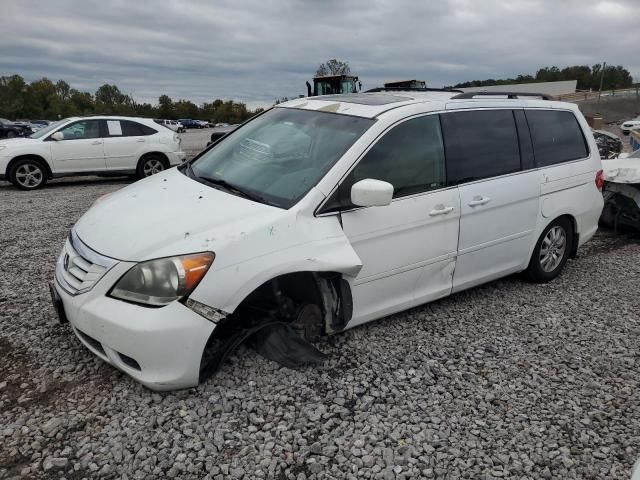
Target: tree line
pixel 588 77
pixel 44 99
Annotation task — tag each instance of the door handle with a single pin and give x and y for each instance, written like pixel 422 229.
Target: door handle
pixel 440 210
pixel 479 200
pixel 96 142
pixel 140 140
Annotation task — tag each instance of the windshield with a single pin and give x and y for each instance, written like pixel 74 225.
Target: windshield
pixel 48 129
pixel 280 155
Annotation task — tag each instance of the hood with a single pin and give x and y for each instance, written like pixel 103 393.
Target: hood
pixel 6 142
pixel 622 170
pixel 169 214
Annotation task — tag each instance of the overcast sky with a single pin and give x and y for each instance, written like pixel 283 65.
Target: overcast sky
pixel 258 50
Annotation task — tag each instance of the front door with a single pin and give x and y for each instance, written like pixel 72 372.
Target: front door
pixel 407 248
pixel 81 149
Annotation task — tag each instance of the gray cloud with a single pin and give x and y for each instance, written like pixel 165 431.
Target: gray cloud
pixel 258 50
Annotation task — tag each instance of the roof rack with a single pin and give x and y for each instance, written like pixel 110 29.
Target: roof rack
pixel 510 95
pixel 407 89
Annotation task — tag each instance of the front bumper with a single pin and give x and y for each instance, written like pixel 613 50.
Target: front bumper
pixel 159 347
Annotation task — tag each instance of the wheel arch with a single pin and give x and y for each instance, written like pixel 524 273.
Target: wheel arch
pixel 328 290
pixel 575 236
pixel 162 155
pixel 39 158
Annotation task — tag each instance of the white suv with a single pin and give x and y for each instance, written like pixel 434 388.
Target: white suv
pixel 89 145
pixel 329 211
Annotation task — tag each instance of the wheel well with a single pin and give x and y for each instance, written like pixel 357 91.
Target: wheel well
pixel 34 157
pixel 282 297
pixel 283 294
pixel 163 157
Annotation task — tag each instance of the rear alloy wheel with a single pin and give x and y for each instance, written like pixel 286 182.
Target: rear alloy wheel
pixel 28 174
pixel 150 166
pixel 551 252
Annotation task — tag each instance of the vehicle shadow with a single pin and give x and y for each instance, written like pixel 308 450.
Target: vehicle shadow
pixel 77 181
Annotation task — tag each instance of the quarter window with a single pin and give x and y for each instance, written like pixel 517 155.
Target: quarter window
pixel 82 130
pixel 556 135
pixel 135 129
pixel 410 157
pixel 480 144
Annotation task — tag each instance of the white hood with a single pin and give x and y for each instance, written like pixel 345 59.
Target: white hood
pixel 169 214
pixel 17 141
pixel 622 170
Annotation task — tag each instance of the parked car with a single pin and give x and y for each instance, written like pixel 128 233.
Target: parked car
pixel 9 129
pixel 622 192
pixel 171 125
pixel 609 145
pixel 221 132
pixel 36 125
pixel 89 145
pixel 629 125
pixel 326 213
pixel 188 123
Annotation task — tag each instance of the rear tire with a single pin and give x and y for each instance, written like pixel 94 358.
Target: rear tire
pixel 28 174
pixel 551 251
pixel 150 165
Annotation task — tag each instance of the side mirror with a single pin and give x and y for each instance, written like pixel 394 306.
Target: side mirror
pixel 371 193
pixel 57 136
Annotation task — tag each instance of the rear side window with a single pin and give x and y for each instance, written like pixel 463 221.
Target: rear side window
pixel 410 157
pixel 557 137
pixel 480 144
pixel 135 129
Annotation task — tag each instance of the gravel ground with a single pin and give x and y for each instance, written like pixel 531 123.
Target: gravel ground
pixel 509 380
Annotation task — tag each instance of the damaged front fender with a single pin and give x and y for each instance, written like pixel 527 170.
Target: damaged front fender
pixel 314 245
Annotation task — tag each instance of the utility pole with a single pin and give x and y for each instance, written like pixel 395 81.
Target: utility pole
pixel 604 65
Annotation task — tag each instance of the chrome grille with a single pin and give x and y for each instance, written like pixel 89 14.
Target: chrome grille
pixel 79 267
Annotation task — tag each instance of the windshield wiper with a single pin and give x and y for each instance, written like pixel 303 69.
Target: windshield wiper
pixel 219 182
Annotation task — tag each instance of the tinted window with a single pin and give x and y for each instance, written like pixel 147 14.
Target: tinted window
pixel 480 144
pixel 82 130
pixel 410 157
pixel 557 137
pixel 135 129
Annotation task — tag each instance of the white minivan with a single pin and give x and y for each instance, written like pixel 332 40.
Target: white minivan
pixel 333 211
pixel 102 145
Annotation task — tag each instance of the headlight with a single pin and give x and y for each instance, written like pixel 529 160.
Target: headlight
pixel 159 282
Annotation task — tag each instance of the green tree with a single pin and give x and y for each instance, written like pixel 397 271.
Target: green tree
pixel 12 96
pixel 185 109
pixel 165 107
